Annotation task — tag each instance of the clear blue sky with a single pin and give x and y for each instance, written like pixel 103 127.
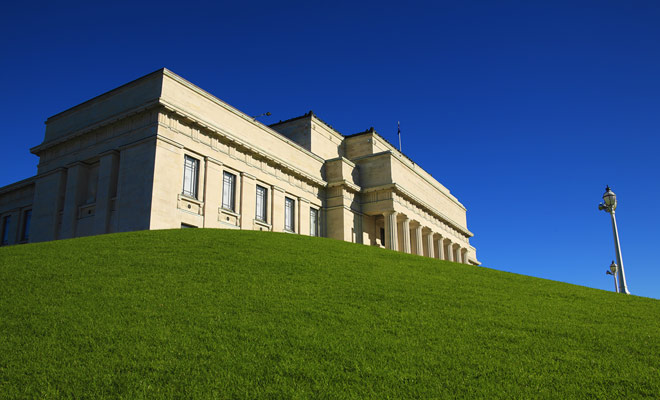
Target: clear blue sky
pixel 524 110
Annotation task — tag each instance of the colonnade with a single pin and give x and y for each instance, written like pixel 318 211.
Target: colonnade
pixel 421 240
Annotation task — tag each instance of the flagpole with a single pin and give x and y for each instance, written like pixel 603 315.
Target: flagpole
pixel 398 124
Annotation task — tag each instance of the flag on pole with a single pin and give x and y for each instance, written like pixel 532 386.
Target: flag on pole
pixel 398 125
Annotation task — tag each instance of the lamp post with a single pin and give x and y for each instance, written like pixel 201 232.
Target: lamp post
pixel 612 271
pixel 609 206
pixel 267 114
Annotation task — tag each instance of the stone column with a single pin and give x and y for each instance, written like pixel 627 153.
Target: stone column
pixel 406 235
pixel 419 246
pixel 76 176
pixel 106 190
pixel 248 199
pixel 277 209
pixel 391 240
pixel 441 250
pixel 429 244
pixel 450 250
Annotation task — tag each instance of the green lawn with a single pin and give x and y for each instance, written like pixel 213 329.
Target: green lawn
pixel 241 315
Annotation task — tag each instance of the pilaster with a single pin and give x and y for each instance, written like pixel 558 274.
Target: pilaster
pixel 212 191
pixel 248 200
pixel 107 189
pixel 48 202
pixel 75 184
pixel 303 217
pixel 277 209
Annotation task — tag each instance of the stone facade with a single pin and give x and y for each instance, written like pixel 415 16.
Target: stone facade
pixel 161 153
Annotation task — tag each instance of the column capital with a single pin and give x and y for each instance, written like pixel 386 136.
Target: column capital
pixel 111 152
pixel 249 176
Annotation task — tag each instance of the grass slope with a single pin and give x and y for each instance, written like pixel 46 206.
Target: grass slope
pixel 235 314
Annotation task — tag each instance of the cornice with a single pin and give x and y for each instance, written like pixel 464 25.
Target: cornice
pixel 343 159
pixel 18 185
pixel 160 71
pixel 349 185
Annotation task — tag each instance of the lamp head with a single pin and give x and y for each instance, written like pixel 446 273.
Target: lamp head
pixel 610 198
pixel 613 267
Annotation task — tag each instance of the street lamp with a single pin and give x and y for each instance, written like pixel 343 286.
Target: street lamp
pixel 609 206
pixel 612 272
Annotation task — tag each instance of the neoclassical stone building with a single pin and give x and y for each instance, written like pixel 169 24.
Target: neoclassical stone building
pixel 161 153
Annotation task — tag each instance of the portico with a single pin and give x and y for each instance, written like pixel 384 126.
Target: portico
pixel 409 235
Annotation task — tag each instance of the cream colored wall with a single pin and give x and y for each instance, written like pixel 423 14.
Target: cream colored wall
pixel 340 170
pixel 134 187
pixel 297 130
pixel 326 142
pixel 108 155
pixel 312 134
pixel 358 146
pixel 179 137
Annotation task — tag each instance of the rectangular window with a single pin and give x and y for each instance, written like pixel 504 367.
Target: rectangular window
pixel 27 217
pixel 313 222
pixel 289 220
pixel 190 176
pixel 262 203
pixel 184 226
pixel 5 230
pixel 228 190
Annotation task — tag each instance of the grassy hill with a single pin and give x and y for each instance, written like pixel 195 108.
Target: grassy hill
pixel 234 314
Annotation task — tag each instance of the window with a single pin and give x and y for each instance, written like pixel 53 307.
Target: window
pixel 289 207
pixel 27 216
pixel 185 226
pixel 228 190
pixel 190 173
pixel 5 230
pixel 262 203
pixel 382 236
pixel 313 222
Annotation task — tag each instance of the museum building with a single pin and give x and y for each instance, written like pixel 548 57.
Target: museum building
pixel 161 153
